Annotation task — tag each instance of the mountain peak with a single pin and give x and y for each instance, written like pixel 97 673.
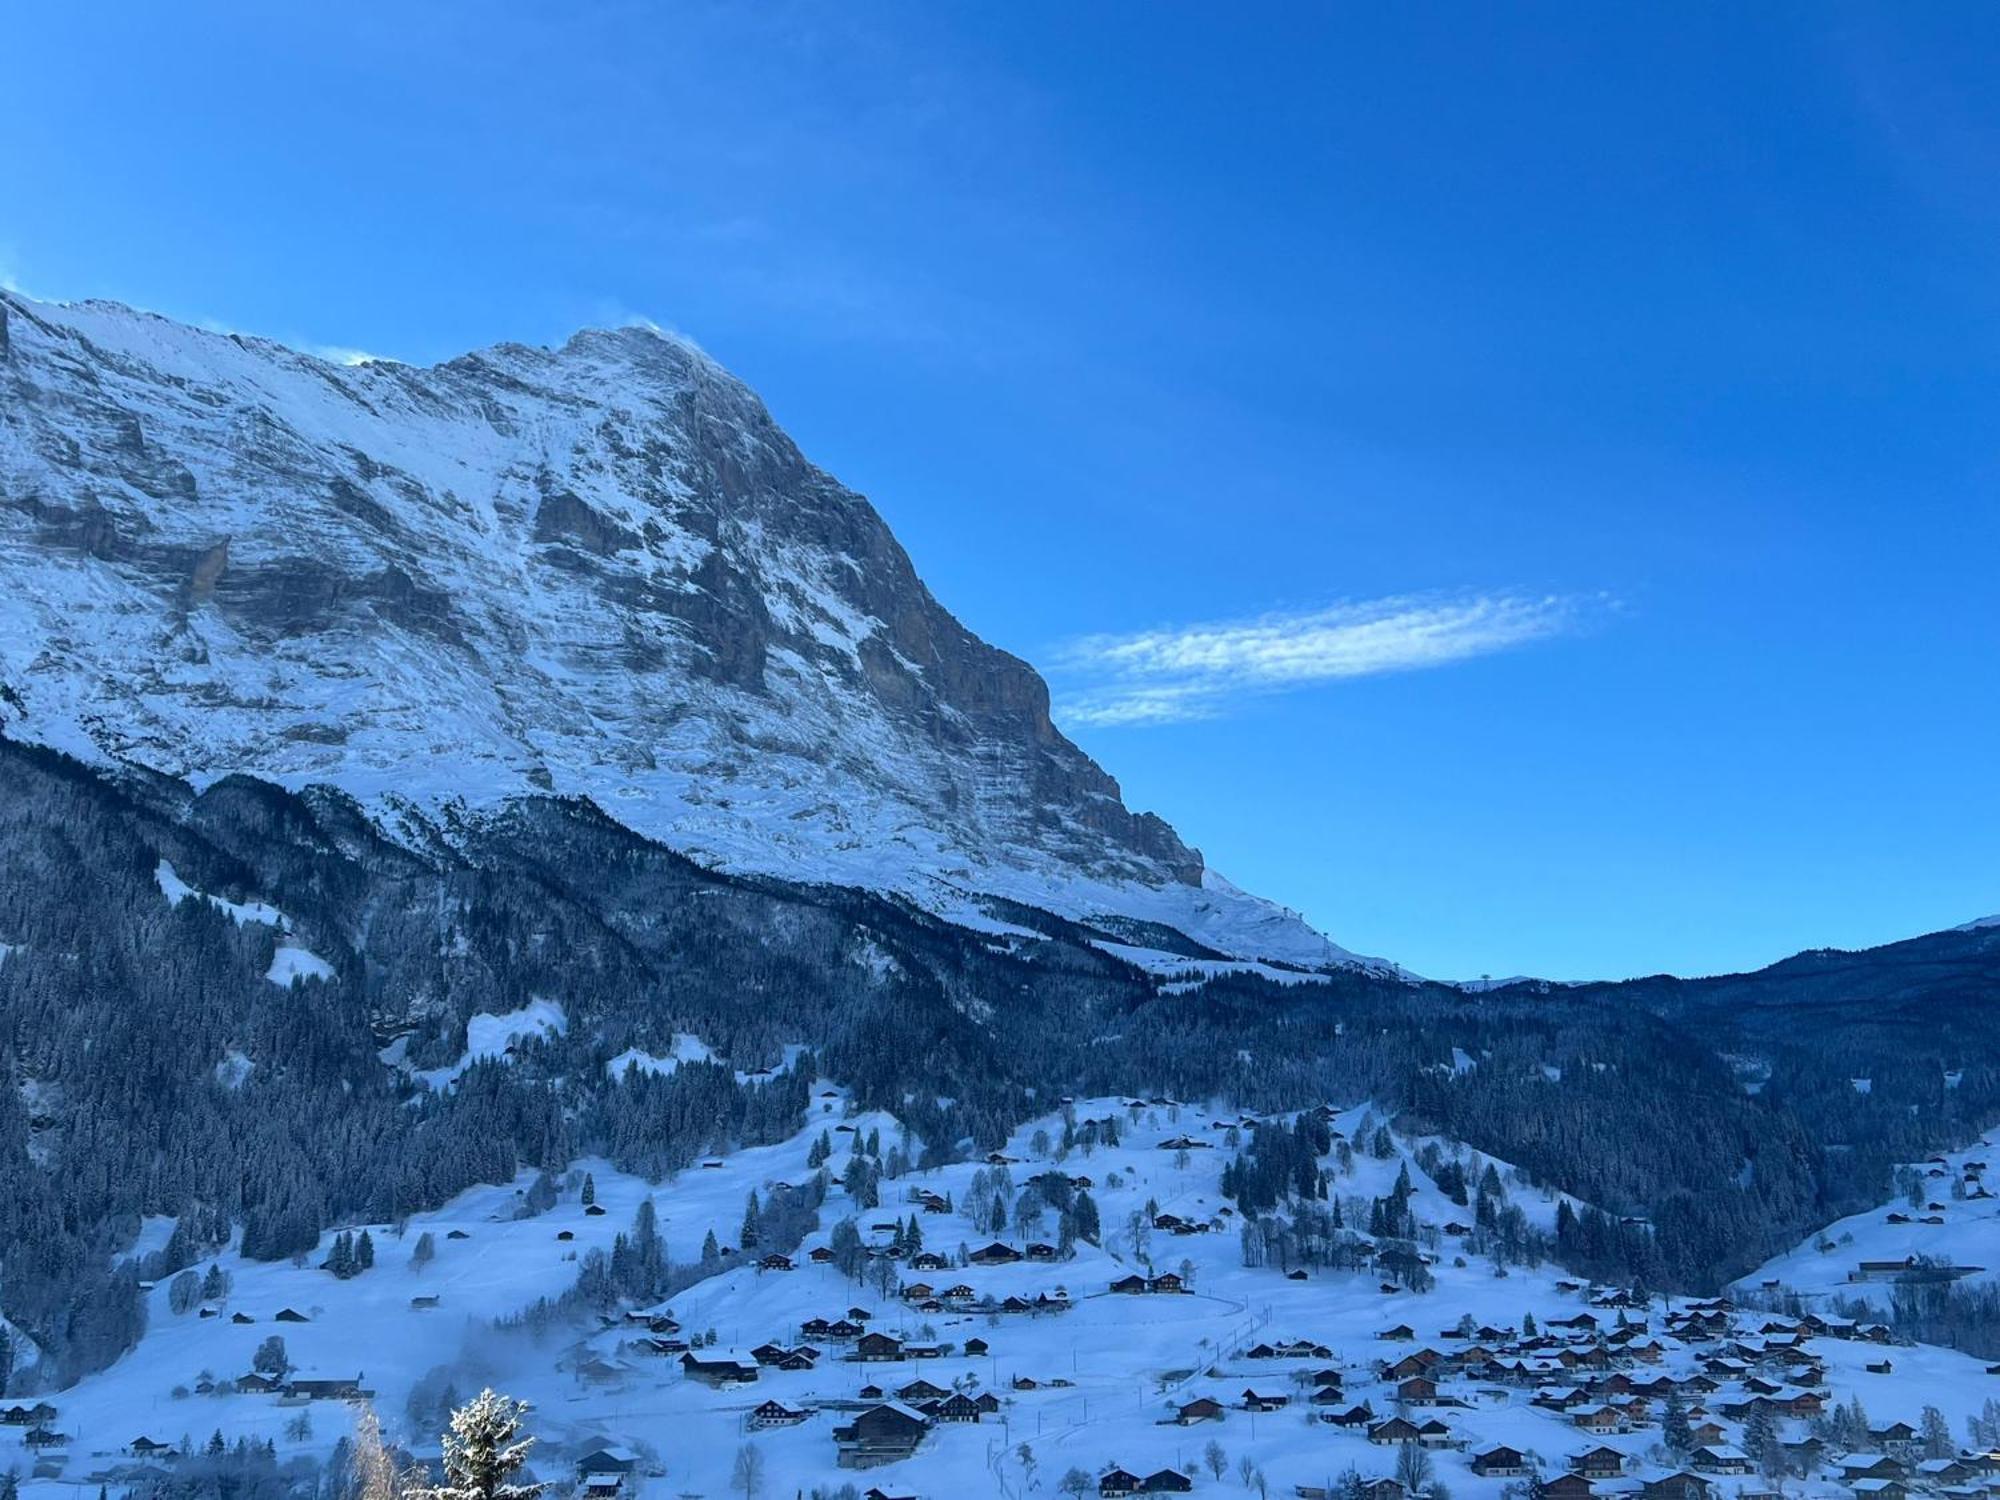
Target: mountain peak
pixel 601 571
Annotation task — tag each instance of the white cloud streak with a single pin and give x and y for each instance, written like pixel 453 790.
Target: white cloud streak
pixel 1179 673
pixel 341 354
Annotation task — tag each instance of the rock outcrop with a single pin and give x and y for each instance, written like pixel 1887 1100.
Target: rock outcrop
pixel 601 570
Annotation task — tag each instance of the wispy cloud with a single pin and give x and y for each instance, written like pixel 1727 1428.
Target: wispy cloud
pixel 1178 673
pixel 341 354
pixel 333 354
pixel 611 314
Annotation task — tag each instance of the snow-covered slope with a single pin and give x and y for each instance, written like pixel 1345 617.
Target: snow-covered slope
pixel 601 570
pixel 1082 1381
pixel 1954 1218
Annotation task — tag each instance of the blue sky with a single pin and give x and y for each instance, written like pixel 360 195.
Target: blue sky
pixel 1516 483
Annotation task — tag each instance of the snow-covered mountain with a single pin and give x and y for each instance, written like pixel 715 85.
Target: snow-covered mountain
pixel 599 570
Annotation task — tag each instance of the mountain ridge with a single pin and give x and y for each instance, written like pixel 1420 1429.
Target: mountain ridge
pixel 600 570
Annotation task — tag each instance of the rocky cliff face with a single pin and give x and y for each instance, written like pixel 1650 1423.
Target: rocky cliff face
pixel 599 570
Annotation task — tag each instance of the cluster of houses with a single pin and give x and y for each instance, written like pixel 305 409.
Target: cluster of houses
pixel 42 1437
pixel 293 1388
pixel 1117 1481
pixel 1971 1178
pixel 1604 1370
pixel 956 1297
pixel 1175 1224
pixel 1968 1182
pixel 1610 1371
pixel 890 1422
pixel 661 1332
pixel 997 1253
pixel 1136 1285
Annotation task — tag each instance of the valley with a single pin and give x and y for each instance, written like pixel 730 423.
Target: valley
pixel 508 878
pixel 1075 1375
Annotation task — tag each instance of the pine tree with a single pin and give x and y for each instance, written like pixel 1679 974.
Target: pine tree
pixel 364 1252
pixel 1674 1430
pixel 482 1452
pixel 589 1190
pixel 747 1238
pixel 1088 1227
pixel 649 1251
pixel 1760 1439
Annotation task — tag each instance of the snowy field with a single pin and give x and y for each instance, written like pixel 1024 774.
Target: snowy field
pixel 1086 1388
pixel 1953 1219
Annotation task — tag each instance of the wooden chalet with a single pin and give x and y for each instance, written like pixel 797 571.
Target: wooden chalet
pixel 882 1434
pixel 1500 1462
pixel 1601 1462
pixel 1201 1409
pixel 1680 1486
pixel 328 1390
pixel 719 1369
pixel 959 1407
pixel 1716 1458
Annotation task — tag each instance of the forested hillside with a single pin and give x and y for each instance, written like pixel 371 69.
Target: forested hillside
pixel 294 1041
